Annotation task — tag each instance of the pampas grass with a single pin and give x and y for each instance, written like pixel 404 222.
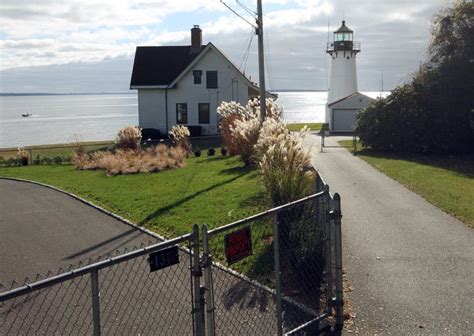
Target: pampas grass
pixel 126 161
pixel 286 169
pixel 128 138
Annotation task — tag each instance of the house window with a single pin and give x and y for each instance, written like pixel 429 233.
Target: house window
pixel 197 76
pixel 204 113
pixel 211 79
pixel 181 113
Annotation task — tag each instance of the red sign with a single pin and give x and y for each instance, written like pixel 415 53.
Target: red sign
pixel 238 245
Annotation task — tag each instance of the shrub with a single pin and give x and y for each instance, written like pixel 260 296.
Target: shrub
pixel 22 155
pixel 179 134
pixel 58 160
pixel 245 134
pixel 211 152
pixel 272 109
pixel 272 131
pixel 433 113
pixel 286 169
pixel 37 160
pixel 151 159
pixel 230 112
pixel 197 151
pixel 224 151
pixel 128 138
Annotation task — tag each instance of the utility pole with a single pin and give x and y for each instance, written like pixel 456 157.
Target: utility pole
pixel 261 63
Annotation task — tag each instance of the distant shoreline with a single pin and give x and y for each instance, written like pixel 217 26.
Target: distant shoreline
pixel 15 94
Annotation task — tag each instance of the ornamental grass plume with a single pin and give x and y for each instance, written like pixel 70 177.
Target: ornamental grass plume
pixel 129 138
pixel 179 134
pixel 286 169
pixel 229 112
pixel 271 132
pixel 272 109
pixel 22 156
pixel 245 134
pixel 126 161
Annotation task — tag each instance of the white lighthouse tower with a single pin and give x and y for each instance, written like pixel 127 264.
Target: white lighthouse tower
pixel 342 104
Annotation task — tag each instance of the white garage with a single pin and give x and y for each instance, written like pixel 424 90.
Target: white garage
pixel 341 114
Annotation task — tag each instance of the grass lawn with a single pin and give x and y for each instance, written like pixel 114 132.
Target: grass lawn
pixel 211 190
pixel 445 181
pixel 297 127
pixel 54 150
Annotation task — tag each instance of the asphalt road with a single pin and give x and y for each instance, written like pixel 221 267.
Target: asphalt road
pixel 410 264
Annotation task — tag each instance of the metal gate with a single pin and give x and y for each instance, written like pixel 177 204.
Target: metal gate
pixel 286 278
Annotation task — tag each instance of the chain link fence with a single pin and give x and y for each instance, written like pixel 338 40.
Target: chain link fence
pixel 276 272
pixel 289 267
pixel 117 296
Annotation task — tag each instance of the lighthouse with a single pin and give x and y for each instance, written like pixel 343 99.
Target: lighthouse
pixel 344 101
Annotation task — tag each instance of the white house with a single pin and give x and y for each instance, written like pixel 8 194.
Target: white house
pixel 185 84
pixel 344 101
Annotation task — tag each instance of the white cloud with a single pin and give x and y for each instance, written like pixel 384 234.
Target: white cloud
pixel 393 33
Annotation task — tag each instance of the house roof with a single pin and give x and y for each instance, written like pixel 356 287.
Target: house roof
pixel 347 97
pixel 159 66
pixel 163 67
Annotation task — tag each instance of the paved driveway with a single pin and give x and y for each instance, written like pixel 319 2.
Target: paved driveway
pixel 411 265
pixel 42 229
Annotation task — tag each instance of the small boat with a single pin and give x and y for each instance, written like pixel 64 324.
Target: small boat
pixel 26 115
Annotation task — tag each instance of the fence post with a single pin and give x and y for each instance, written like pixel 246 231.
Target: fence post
pixel 354 143
pixel 322 141
pixel 276 257
pixel 95 301
pixel 208 285
pixel 338 253
pixel 198 295
pixel 328 249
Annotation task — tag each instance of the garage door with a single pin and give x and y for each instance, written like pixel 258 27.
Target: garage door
pixel 344 120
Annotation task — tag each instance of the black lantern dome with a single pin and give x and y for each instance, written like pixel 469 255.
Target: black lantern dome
pixel 343 40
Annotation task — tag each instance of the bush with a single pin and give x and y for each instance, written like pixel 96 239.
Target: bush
pixel 128 138
pixel 433 113
pixel 22 155
pixel 224 151
pixel 57 160
pixel 152 159
pixel 180 136
pixel 211 152
pixel 229 113
pixel 286 169
pixel 37 160
pixel 245 134
pixel 197 151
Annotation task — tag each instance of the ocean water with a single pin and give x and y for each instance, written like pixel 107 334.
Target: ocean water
pixel 71 118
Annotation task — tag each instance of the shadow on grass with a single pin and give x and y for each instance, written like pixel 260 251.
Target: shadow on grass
pixel 163 210
pixel 460 164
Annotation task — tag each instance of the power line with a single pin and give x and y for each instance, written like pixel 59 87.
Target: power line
pixel 240 16
pixel 248 10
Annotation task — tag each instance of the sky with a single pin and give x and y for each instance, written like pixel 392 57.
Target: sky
pixel 69 46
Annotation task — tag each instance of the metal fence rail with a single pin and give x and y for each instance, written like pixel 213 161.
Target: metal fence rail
pixel 287 279
pixel 132 300
pixel 323 142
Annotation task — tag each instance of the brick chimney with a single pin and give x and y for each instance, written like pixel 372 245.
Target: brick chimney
pixel 196 39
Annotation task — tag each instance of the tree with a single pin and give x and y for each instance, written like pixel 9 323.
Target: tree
pixel 434 112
